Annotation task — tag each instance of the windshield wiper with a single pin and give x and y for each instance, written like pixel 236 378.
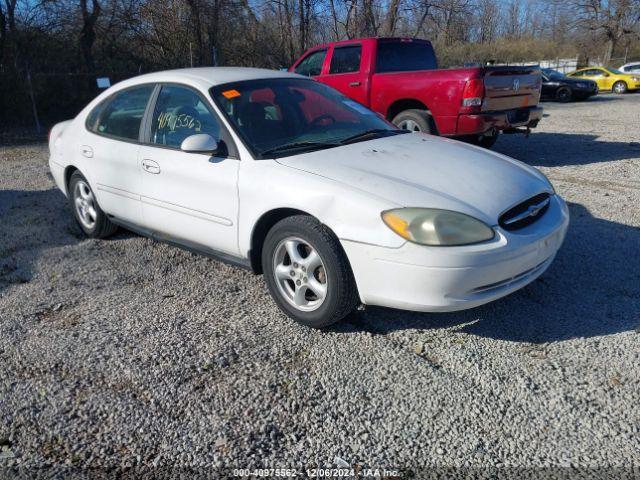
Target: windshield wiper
pixel 370 134
pixel 299 146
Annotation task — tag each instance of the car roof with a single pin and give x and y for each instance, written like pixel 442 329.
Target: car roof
pixel 207 77
pixel 351 41
pixel 588 68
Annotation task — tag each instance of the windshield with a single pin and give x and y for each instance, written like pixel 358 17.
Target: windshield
pixel 552 73
pixel 614 71
pixel 285 116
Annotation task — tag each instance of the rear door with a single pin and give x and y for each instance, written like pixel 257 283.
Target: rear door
pixel 346 72
pixel 111 146
pixel 189 197
pixel 508 88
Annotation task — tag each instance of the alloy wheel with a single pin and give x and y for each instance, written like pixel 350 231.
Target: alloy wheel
pixel 564 95
pixel 619 87
pixel 409 125
pixel 300 274
pixel 85 204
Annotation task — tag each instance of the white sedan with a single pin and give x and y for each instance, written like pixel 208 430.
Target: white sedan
pixel 287 177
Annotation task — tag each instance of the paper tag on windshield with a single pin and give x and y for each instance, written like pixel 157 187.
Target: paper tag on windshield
pixel 357 107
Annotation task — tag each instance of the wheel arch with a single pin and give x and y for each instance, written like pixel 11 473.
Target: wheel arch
pixel 68 171
pixel 405 104
pixel 626 84
pixel 262 227
pixel 266 221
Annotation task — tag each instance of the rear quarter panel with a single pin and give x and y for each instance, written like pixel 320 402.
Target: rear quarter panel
pixel 440 90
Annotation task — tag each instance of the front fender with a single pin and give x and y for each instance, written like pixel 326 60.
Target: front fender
pixel 266 185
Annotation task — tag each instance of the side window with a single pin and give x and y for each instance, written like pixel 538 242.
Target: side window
pixel 179 113
pixel 92 118
pixel 122 115
pixel 311 66
pixel 346 59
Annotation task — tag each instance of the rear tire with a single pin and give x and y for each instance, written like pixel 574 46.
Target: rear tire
pixel 313 293
pixel 564 95
pixel 620 87
pixel 415 121
pixel 90 217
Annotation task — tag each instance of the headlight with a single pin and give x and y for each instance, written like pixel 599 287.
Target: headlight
pixel 636 79
pixel 432 226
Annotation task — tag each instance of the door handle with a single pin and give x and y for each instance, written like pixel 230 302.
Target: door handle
pixel 354 84
pixel 151 166
pixel 86 151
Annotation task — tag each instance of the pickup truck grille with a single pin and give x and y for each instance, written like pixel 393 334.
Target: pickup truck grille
pixel 525 213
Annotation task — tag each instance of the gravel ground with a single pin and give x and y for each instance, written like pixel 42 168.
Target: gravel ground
pixel 128 353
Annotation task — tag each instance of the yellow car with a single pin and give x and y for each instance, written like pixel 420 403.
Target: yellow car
pixel 609 78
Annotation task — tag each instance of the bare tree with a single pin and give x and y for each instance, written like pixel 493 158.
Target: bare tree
pixel 613 19
pixel 88 32
pixel 389 28
pixel 489 16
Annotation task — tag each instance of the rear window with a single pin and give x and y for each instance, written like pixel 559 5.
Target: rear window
pixel 405 56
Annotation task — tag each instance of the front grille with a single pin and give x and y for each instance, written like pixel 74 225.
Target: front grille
pixel 525 213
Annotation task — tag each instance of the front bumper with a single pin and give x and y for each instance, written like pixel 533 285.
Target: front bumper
pixel 431 279
pixel 504 120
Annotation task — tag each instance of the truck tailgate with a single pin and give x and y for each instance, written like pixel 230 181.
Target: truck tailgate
pixel 511 87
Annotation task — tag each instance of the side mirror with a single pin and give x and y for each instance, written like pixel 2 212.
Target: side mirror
pixel 200 143
pixel 605 74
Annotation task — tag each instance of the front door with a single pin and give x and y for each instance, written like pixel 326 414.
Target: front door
pixel 189 197
pixel 346 74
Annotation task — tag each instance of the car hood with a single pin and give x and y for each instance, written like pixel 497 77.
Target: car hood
pixel 417 170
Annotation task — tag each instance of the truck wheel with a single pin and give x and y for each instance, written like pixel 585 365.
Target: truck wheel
pixel 415 121
pixel 620 87
pixel 307 272
pixel 563 94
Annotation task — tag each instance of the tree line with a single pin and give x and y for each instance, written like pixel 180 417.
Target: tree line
pixel 55 48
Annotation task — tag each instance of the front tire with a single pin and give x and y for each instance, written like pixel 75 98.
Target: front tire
pixel 620 87
pixel 90 217
pixel 415 121
pixel 307 272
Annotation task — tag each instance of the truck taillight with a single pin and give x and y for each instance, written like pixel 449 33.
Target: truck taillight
pixel 473 93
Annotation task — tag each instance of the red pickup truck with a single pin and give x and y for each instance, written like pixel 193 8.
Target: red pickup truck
pixel 399 79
